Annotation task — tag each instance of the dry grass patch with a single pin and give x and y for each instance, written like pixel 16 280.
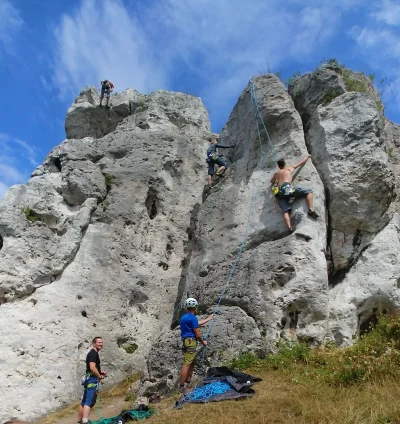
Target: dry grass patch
pixel 279 400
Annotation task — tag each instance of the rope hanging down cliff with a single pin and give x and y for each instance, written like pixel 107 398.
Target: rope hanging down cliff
pixel 255 198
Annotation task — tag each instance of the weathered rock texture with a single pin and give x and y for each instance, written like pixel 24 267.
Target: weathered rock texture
pixel 345 135
pixel 280 286
pixel 105 256
pixel 115 229
pixel 356 153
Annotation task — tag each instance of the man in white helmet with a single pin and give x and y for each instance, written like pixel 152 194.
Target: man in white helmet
pixel 190 334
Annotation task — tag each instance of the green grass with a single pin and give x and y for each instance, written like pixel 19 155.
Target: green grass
pixel 375 356
pixel 293 78
pixel 129 347
pixel 109 181
pixel 329 96
pixel 353 84
pixel 30 214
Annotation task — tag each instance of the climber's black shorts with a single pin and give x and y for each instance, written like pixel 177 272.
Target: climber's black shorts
pixel 211 165
pixel 284 201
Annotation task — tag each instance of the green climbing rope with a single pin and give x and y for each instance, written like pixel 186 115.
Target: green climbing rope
pixel 132 414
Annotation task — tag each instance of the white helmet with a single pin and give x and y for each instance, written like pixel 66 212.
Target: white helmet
pixel 191 302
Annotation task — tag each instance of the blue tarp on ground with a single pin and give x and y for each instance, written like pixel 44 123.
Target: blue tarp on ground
pixel 221 383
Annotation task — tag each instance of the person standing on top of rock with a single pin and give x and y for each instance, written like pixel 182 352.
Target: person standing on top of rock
pixel 93 376
pixel 286 191
pixel 213 158
pixel 106 88
pixel 190 334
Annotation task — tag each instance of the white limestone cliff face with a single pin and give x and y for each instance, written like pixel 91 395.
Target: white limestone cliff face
pixel 356 152
pixel 124 230
pixel 105 255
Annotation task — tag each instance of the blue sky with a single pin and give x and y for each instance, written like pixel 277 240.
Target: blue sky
pixel 50 49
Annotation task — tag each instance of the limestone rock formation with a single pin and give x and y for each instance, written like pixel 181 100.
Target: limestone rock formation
pixel 280 286
pixel 356 152
pixel 116 228
pixel 345 135
pixel 94 244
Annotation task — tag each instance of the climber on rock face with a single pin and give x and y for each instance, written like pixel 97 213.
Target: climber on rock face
pixel 106 88
pixel 286 191
pixel 213 158
pixel 190 334
pixel 93 376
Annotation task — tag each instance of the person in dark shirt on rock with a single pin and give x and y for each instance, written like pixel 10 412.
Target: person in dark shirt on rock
pixel 213 158
pixel 190 334
pixel 93 376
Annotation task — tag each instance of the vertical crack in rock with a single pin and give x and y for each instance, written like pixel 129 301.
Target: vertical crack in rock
pixel 188 250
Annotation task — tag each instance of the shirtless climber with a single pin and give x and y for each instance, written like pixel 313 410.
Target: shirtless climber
pixel 283 178
pixel 190 334
pixel 106 88
pixel 213 158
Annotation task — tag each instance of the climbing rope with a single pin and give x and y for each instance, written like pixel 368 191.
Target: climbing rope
pixel 207 391
pixel 255 197
pixel 133 415
pixel 98 402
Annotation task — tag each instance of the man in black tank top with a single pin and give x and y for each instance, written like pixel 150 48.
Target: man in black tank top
pixel 94 375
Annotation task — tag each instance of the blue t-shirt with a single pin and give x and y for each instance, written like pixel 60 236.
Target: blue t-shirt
pixel 188 323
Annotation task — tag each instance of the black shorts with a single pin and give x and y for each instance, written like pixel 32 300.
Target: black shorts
pixel 284 201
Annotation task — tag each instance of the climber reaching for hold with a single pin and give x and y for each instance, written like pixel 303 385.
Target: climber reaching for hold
pixel 213 158
pixel 190 334
pixel 106 88
pixel 286 191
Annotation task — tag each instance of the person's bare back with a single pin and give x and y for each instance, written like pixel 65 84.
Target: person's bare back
pixel 284 175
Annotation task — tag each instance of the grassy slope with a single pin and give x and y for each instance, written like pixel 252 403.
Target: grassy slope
pixel 357 385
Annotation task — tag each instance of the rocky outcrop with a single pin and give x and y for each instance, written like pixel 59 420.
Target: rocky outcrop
pixel 116 228
pixel 370 287
pixel 345 135
pixel 94 245
pixel 345 139
pixel 280 285
pixel 175 110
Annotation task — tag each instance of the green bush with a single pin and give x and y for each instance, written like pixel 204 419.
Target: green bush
pixel 30 214
pixel 353 84
pixel 293 78
pixel 129 347
pixel 375 356
pixel 243 361
pixel 109 181
pixel 329 96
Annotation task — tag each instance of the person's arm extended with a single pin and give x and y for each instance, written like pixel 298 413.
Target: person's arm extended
pixel 204 321
pixel 301 162
pixel 198 336
pixel 93 370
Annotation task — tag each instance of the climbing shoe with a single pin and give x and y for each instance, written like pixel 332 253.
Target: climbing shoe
pixel 313 214
pixel 291 230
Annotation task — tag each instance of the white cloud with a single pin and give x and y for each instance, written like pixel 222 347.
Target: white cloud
pixel 102 40
pixel 389 12
pixel 3 189
pixel 17 159
pixel 220 44
pixel 10 23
